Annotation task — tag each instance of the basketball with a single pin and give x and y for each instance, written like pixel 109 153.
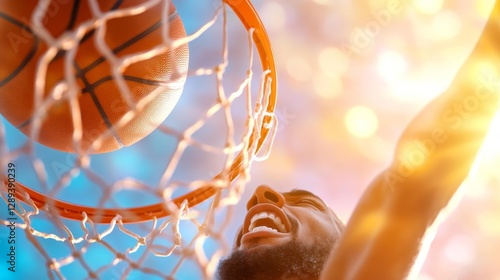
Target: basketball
pixel 101 102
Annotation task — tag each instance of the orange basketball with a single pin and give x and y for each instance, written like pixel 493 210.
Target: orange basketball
pixel 101 103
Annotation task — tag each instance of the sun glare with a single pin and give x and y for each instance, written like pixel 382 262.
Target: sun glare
pixel 361 122
pixel 484 7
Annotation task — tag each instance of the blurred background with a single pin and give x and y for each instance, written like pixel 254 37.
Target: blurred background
pixel 352 74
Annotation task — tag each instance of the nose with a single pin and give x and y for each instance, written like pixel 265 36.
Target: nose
pixel 264 194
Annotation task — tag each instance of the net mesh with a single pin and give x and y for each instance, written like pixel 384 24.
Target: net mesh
pixel 156 209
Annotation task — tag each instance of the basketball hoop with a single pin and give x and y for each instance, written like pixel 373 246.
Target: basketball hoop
pixel 80 198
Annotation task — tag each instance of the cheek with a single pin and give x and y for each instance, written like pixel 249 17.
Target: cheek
pixel 313 225
pixel 322 228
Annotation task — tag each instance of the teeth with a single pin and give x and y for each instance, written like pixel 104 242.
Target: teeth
pixel 266 215
pixel 263 228
pixel 253 219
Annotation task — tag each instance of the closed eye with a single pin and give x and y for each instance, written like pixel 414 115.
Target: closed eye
pixel 309 202
pixel 304 198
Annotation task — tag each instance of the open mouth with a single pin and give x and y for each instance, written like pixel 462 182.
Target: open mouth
pixel 264 220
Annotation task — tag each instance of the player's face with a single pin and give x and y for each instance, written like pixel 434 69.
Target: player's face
pixel 284 236
pixel 275 218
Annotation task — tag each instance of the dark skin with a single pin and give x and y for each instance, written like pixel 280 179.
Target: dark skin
pixel 433 157
pixel 295 247
pixel 387 230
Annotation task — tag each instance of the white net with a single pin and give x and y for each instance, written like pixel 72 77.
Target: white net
pixel 156 209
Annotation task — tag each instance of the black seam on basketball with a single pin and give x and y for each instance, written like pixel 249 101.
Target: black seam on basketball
pixel 28 57
pixel 87 35
pixel 23 124
pixel 89 88
pixel 74 14
pixel 147 81
pixel 116 5
pixel 137 37
pixel 81 74
pixel 129 78
pixel 124 45
pixel 71 24
pixel 173 16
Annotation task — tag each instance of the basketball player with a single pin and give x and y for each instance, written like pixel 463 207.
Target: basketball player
pixel 284 236
pixel 295 235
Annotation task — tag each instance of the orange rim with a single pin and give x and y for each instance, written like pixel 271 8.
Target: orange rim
pixel 250 19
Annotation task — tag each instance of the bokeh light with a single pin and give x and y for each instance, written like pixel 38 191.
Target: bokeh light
pixel 391 66
pixel 333 62
pixel 446 25
pixel 484 69
pixel 460 249
pixel 428 6
pixel 483 7
pixel 417 90
pixel 489 225
pixel 346 131
pixel 327 86
pixel 409 62
pixel 361 122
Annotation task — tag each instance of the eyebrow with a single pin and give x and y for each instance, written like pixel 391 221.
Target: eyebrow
pixel 299 192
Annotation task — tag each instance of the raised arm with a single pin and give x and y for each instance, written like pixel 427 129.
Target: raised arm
pixel 433 157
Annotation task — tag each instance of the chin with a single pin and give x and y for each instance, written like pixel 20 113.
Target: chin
pixel 292 259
